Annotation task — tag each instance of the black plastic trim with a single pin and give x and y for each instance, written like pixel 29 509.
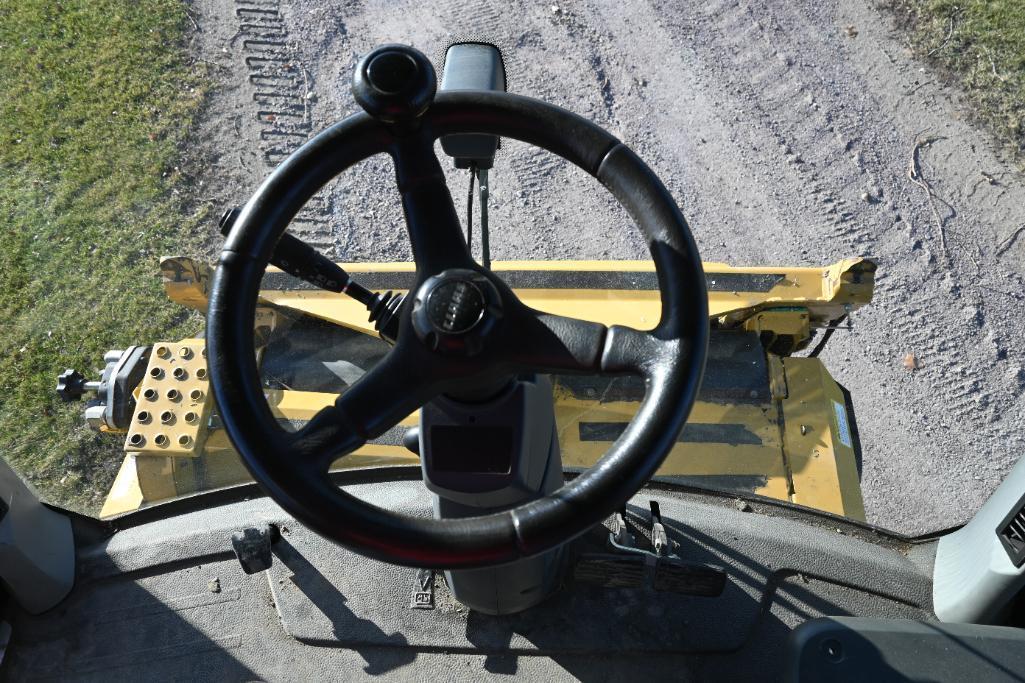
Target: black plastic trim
pixel 249 491
pixel 693 432
pixel 1015 549
pixel 644 280
pixel 390 473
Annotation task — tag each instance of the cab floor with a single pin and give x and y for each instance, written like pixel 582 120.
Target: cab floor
pixel 168 600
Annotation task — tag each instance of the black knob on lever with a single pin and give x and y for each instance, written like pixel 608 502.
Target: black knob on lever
pixel 394 83
pixel 70 385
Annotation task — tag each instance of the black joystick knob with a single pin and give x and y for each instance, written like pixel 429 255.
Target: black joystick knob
pixel 394 83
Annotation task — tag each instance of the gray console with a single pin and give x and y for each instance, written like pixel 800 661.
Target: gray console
pixel 483 457
pixel 974 578
pixel 862 649
pixel 37 551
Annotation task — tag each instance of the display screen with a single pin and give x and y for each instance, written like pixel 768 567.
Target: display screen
pixel 475 450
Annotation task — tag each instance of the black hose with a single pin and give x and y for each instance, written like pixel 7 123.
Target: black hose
pixel 826 335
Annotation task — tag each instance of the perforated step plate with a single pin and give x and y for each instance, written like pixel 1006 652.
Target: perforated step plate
pixel 173 405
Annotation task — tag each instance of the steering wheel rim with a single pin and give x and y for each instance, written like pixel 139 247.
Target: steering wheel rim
pixel 671 357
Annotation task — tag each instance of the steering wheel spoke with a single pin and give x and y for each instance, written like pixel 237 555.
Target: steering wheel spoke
pixel 377 402
pixel 552 343
pixel 633 352
pixel 435 234
pixel 546 342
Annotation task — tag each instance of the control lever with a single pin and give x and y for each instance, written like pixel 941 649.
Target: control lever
pixel 302 261
pixel 660 568
pixel 621 539
pixel 621 531
pixel 659 538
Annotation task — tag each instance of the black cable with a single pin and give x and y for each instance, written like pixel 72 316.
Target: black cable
pixel 469 210
pixel 826 335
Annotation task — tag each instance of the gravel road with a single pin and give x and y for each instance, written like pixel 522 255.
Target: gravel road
pixel 785 131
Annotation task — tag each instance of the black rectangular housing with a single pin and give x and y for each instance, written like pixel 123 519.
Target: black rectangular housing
pixel 472 66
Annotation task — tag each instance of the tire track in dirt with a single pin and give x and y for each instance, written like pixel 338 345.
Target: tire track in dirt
pixel 282 100
pixel 770 85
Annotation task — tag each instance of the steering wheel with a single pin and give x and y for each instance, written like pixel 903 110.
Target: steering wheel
pixel 460 327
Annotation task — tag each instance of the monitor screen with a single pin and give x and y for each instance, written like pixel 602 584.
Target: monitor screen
pixel 481 450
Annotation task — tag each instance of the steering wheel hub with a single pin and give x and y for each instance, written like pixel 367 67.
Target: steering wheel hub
pixel 455 311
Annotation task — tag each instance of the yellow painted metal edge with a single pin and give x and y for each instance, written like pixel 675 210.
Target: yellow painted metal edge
pixel 827 293
pixel 819 441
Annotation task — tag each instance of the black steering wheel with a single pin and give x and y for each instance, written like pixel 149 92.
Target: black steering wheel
pixel 461 326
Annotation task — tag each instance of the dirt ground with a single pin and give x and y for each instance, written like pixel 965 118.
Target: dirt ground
pixel 785 131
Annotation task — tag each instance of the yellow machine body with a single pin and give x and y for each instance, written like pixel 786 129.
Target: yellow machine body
pixel 766 422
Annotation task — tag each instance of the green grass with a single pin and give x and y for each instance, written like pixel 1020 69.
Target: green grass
pixel 96 102
pixel 980 44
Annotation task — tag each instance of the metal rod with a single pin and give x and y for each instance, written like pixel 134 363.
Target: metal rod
pixel 485 242
pixel 469 210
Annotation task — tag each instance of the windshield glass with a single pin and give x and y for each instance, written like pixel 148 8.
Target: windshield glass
pixel 860 232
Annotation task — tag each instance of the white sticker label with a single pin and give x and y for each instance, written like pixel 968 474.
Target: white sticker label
pixel 843 428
